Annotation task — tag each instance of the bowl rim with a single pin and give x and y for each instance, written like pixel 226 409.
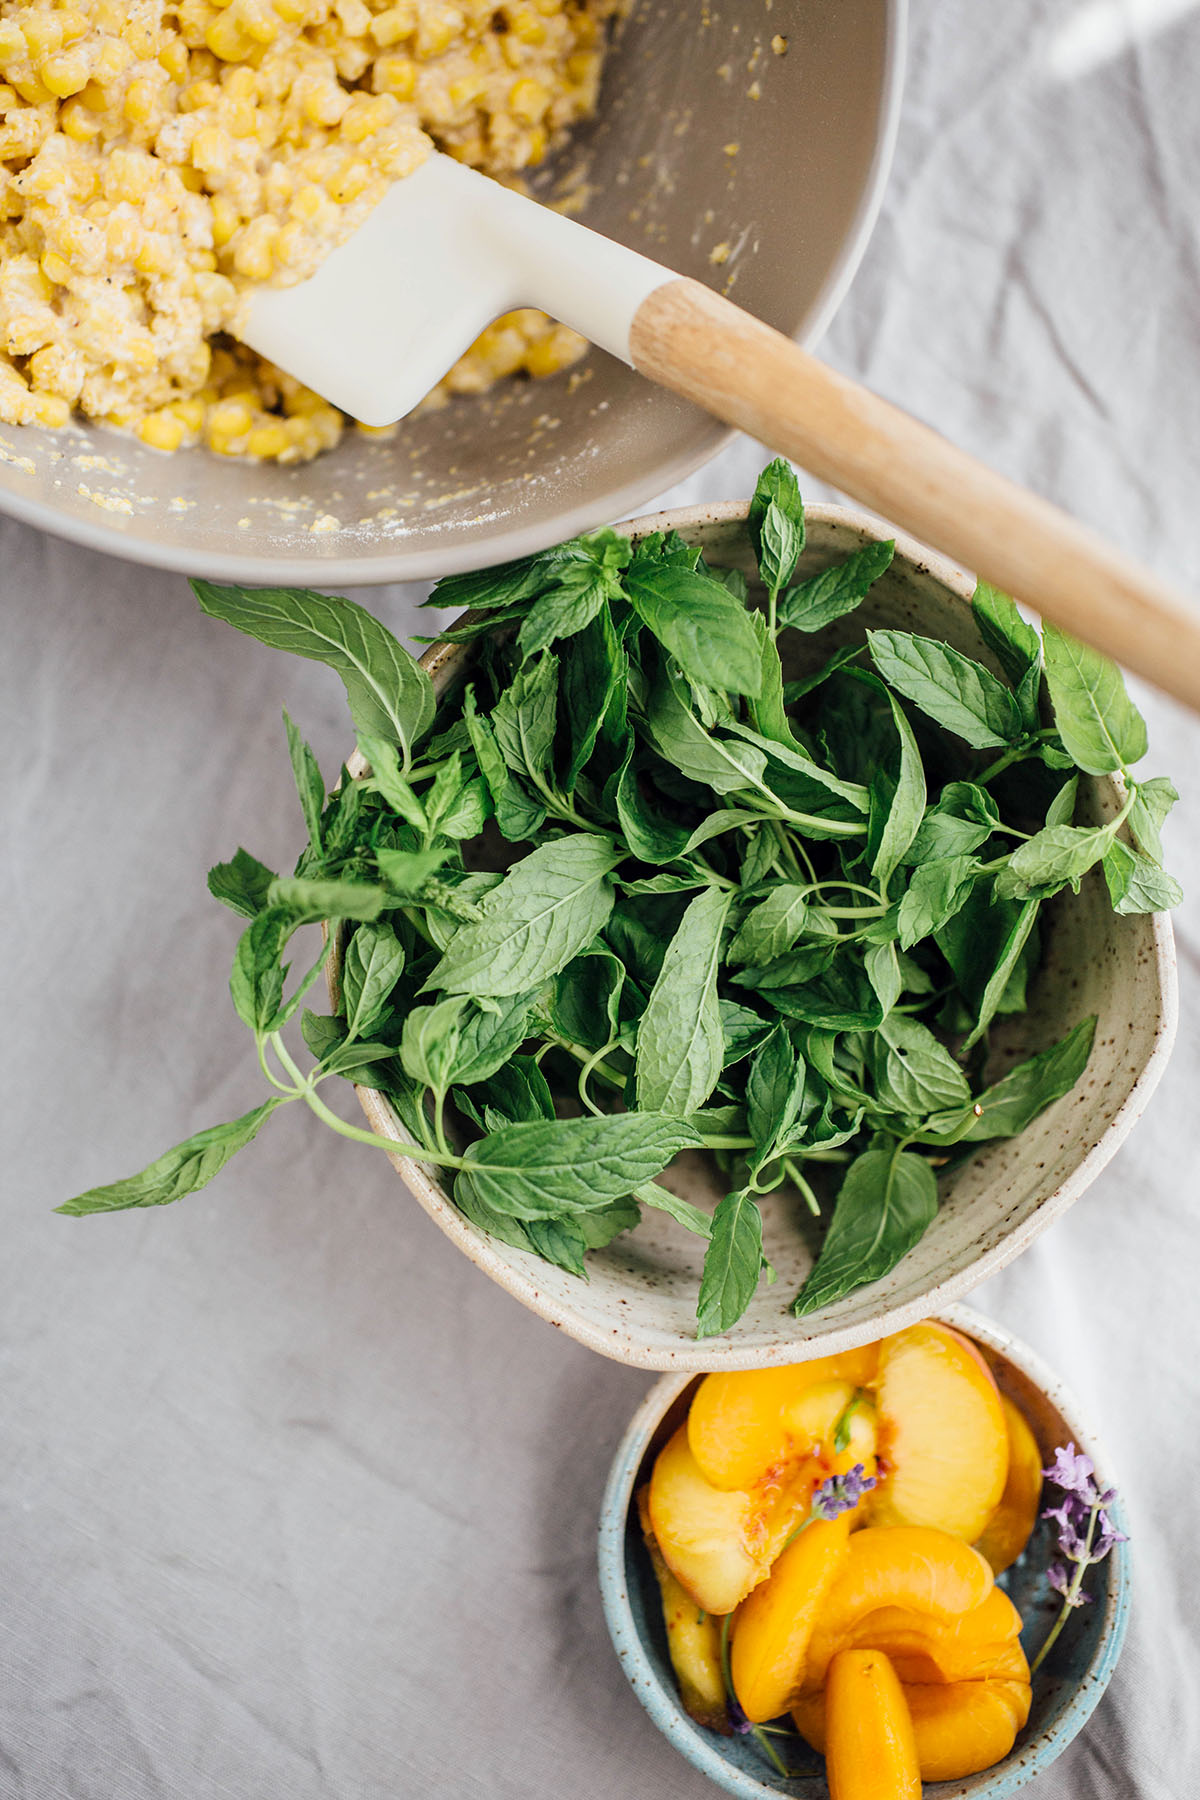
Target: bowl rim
pixel 697 1356
pixel 427 565
pixel 698 1746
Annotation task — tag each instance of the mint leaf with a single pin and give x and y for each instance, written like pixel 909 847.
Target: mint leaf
pixel 777 486
pixel 771 926
pixel 993 994
pixel 1052 858
pixel 371 967
pixel 903 803
pixel 680 1043
pixel 519 815
pixel 964 817
pixel 781 539
pixel 1015 644
pixel 886 1204
pixel 936 892
pixel 524 718
pixel 813 604
pixel 914 1074
pixel 1006 1108
pixel 774 1094
pixel 182 1170
pixel 241 884
pixel 948 687
pixel 547 909
pixel 1153 802
pixel 390 694
pixel 309 785
pixel 564 609
pixel 1136 884
pixel 541 1168
pixel 1097 721
pixel 700 624
pixel 387 780
pixel 732 1264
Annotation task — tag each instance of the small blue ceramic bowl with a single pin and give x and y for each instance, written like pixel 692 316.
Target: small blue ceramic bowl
pixel 1066 1689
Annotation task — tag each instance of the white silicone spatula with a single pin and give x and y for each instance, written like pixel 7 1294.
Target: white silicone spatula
pixel 447 250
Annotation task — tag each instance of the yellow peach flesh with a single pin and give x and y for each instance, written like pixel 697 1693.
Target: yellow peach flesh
pixel 1011 1525
pixel 943 1445
pixel 742 1424
pixel 870 1746
pixel 772 1627
pixel 959 1729
pixel 693 1637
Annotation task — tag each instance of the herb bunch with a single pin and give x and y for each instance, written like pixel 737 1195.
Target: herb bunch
pixel 627 890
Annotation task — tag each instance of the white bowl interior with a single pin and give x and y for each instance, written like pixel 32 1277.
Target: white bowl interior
pixel 639 1303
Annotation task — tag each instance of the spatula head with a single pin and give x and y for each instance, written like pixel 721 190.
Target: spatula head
pixel 394 307
pixel 443 254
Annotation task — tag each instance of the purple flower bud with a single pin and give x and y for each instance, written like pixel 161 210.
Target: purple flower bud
pixel 1073 1472
pixel 1106 1537
pixel 839 1493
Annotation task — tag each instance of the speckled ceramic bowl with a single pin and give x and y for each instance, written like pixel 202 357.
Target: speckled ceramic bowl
pixel 705 140
pixel 1065 1691
pixel 640 1302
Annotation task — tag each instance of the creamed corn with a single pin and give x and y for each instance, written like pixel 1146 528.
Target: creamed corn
pixel 156 158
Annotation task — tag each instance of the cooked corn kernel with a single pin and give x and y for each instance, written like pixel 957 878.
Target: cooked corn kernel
pixel 162 430
pixel 179 152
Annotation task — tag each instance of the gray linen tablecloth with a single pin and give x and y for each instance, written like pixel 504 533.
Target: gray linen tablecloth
pixel 293 1501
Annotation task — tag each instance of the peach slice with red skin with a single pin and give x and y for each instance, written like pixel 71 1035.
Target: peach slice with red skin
pixel 943 1444
pixel 959 1728
pixel 693 1638
pixel 870 1745
pixel 1010 1527
pixel 744 1424
pixel 772 1627
pixel 720 1544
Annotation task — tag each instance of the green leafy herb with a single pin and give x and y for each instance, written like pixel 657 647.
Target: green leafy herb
pixel 1102 729
pixel 813 604
pixel 390 695
pixel 622 891
pixel 731 1264
pixel 680 1043
pixel 700 623
pixel 885 1205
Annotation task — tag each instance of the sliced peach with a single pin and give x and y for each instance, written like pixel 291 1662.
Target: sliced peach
pixel 1011 1525
pixel 693 1637
pixel 870 1745
pixel 984 1642
pixel 907 1567
pixel 743 1424
pixel 719 1544
pixel 959 1728
pixel 773 1626
pixel 943 1446
pixel 965 1726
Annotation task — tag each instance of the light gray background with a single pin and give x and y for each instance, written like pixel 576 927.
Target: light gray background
pixel 293 1502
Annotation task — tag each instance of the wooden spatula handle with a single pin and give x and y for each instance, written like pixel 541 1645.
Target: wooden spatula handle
pixel 687 338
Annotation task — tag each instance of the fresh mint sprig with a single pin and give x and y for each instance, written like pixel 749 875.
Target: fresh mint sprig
pixel 626 890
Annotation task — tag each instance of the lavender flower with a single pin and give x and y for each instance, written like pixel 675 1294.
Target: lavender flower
pixel 1085 1533
pixel 840 1493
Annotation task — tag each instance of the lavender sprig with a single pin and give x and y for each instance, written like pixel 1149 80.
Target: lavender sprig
pixel 1086 1534
pixel 840 1493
